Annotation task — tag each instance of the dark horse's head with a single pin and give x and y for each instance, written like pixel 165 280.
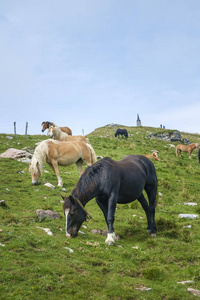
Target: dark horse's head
pixel 75 215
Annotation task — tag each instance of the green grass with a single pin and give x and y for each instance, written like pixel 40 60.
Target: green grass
pixel 35 265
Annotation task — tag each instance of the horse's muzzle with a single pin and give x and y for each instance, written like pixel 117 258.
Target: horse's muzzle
pixel 42 130
pixel 71 235
pixel 34 182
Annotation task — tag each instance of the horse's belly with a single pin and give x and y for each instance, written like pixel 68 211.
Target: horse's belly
pixel 129 193
pixel 66 162
pixel 128 197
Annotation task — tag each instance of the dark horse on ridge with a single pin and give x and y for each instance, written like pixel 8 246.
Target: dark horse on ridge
pixel 112 182
pixel 121 132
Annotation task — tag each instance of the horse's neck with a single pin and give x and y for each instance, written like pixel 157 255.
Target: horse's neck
pixel 41 153
pixel 57 133
pixel 84 197
pixel 36 159
pixel 63 135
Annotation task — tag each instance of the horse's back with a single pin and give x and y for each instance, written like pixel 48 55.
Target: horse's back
pixel 66 130
pixel 138 164
pixel 129 176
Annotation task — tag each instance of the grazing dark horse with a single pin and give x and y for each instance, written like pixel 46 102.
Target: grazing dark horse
pixel 121 132
pixel 47 124
pixel 199 155
pixel 112 182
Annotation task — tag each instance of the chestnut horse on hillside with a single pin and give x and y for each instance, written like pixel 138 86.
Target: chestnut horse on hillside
pixel 46 125
pixel 57 153
pixel 186 148
pixel 55 131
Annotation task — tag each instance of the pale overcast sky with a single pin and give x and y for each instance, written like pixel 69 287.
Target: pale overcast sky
pixel 88 63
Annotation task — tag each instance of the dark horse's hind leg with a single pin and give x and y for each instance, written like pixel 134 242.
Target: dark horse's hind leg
pixel 150 212
pixel 151 191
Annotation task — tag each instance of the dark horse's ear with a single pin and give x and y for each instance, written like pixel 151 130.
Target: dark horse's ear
pixel 72 199
pixel 72 204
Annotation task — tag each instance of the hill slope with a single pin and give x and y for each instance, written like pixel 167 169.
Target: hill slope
pixel 36 265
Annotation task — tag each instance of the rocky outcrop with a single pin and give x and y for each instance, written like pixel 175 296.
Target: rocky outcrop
pixel 172 136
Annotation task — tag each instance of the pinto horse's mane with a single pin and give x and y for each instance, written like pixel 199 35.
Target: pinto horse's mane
pixel 40 155
pixel 48 123
pixel 58 132
pixel 91 178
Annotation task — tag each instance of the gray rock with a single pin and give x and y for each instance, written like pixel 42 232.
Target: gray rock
pixel 14 153
pixel 47 214
pixel 194 291
pixel 188 216
pixel 50 185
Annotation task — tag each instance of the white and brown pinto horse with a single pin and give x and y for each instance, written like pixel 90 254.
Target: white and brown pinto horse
pixel 186 148
pixel 56 133
pixel 46 125
pixel 57 153
pixel 154 155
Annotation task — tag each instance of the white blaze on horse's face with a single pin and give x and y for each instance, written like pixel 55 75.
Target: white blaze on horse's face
pixel 155 154
pixel 66 215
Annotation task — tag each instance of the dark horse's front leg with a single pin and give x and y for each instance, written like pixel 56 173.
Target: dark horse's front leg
pixel 108 208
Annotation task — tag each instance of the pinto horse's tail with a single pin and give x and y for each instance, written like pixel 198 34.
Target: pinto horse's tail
pixel 93 154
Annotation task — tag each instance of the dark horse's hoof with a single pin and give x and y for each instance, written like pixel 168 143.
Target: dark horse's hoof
pixel 153 234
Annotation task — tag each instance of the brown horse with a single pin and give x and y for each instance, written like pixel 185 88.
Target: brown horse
pixel 46 125
pixel 186 148
pixel 55 131
pixel 57 153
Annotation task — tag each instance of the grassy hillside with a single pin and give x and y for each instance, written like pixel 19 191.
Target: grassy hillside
pixel 35 265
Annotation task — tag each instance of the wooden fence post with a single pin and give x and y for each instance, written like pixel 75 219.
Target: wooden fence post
pixel 15 129
pixel 26 130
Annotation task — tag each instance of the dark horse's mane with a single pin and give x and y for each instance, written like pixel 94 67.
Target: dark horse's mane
pixel 91 178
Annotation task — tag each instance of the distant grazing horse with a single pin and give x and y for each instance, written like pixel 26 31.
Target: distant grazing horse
pixel 46 125
pixel 154 155
pixel 57 153
pixel 62 136
pixel 121 132
pixel 186 148
pixel 112 182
